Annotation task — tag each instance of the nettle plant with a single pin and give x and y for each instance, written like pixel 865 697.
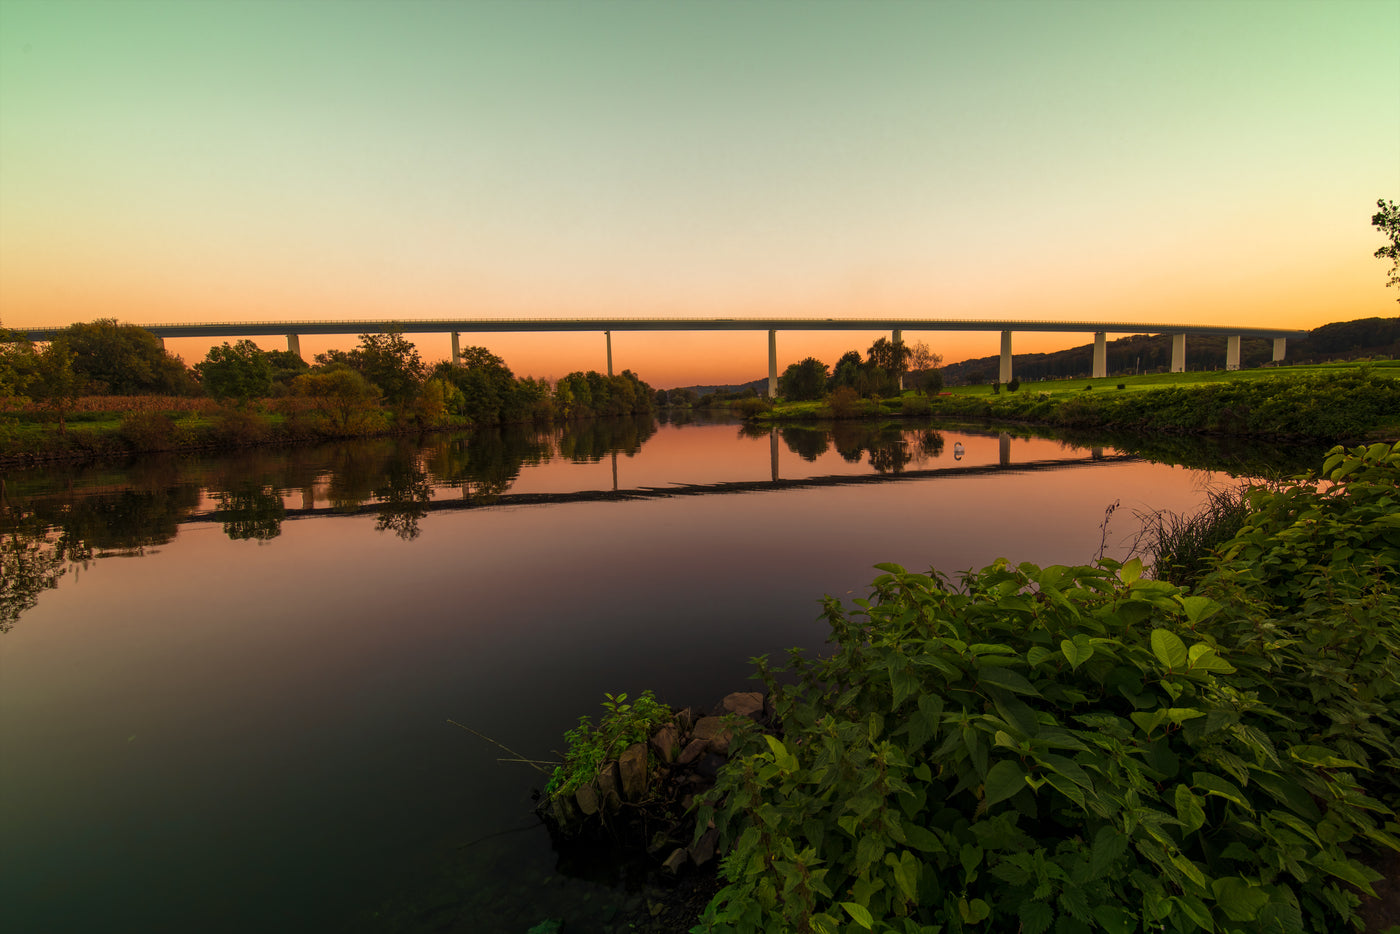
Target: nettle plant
pixel 622 725
pixel 1077 749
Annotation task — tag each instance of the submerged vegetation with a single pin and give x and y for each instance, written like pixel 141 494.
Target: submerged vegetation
pixel 1077 749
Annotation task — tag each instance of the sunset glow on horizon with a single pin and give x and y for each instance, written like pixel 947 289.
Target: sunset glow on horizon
pixel 1172 162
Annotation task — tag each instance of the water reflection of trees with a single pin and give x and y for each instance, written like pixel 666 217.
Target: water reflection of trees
pixel 251 511
pixel 403 494
pixel 30 563
pixel 591 441
pixel 890 448
pixel 485 463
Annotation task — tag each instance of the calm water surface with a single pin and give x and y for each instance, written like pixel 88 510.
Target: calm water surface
pixel 225 684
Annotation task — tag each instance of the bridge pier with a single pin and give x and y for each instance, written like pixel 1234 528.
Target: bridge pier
pixel 456 348
pixel 1178 353
pixel 1005 376
pixel 1280 349
pixel 294 344
pixel 1003 450
pixel 608 335
pixel 897 337
pixel 1232 352
pixel 1100 355
pixel 772 364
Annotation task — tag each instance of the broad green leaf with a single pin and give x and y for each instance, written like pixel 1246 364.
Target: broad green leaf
pixel 860 914
pixel 1194 908
pixel 1347 871
pixel 974 911
pixel 1109 845
pixel 1019 715
pixel 1320 757
pixel 1037 654
pixel 1077 650
pixel 1008 679
pixel 1149 721
pixel 1238 898
pixel 903 682
pixel 1204 658
pixel 1180 715
pixel 1169 648
pixel 1035 917
pixel 1004 779
pixel 1215 785
pixel 1131 571
pixel 1198 608
pixel 1114 920
pixel 1189 809
pixel 906 873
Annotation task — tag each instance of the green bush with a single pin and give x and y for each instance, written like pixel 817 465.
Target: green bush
pixel 1082 748
pixel 915 405
pixel 589 747
pixel 148 431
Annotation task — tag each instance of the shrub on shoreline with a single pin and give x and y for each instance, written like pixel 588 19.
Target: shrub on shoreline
pixel 1083 748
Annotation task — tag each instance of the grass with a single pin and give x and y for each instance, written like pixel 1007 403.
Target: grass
pixel 1144 381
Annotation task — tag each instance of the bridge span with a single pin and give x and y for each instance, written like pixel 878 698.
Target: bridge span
pixel 896 326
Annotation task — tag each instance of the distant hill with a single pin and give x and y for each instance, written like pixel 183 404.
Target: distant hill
pixel 759 385
pixel 1146 353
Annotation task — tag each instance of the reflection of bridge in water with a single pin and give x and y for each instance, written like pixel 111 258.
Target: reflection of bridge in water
pixel 500 500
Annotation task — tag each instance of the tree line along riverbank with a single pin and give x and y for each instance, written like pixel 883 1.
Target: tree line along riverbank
pixel 104 389
pixel 1329 403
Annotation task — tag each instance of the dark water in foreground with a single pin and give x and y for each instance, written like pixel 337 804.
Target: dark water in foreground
pixel 225 684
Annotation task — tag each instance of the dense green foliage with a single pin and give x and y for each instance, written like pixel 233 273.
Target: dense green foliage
pixel 236 372
pixel 124 359
pixel 380 387
pixel 1182 547
pixel 1387 221
pixel 804 381
pixel 1337 405
pixel 1077 749
pixel 622 725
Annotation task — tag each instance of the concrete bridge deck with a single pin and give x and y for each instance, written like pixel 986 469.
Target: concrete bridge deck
pixel 896 326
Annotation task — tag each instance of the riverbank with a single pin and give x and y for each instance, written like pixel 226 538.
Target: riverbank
pixel 105 427
pixel 1084 742
pixel 1334 404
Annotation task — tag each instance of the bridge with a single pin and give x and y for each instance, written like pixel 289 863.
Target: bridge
pixel 896 326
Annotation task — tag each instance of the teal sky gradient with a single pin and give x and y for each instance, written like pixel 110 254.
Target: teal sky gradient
pixel 1191 162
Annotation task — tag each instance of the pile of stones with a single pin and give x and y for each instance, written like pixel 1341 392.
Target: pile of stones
pixel 647 794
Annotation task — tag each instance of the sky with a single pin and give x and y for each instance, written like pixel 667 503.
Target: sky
pixel 1181 162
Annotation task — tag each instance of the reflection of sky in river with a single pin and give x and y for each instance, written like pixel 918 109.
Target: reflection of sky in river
pixel 227 735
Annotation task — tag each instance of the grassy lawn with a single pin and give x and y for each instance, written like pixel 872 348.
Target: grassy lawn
pixel 1160 380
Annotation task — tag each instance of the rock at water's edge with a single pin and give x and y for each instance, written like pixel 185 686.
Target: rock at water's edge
pixel 666 742
pixel 632 764
pixel 745 704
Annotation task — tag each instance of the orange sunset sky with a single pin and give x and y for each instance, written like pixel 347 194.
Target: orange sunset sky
pixel 1212 163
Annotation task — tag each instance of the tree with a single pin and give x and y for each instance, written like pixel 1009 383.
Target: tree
pixel 286 366
pixel 891 358
pixel 1387 220
pixel 391 362
pixel 124 360
pixel 340 395
pixel 922 360
pixel 55 383
pixel 239 372
pixel 804 381
pixel 17 364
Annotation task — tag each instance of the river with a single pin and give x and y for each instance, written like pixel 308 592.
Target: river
pixel 225 681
